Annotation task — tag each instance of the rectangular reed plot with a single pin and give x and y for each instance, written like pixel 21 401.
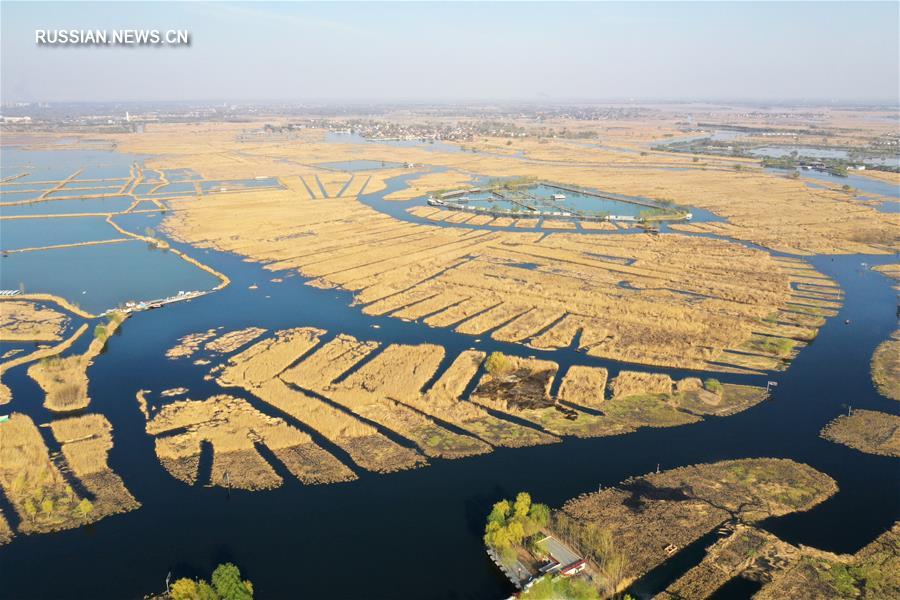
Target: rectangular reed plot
pixel 459 312
pixel 400 371
pixel 429 306
pixel 366 446
pixel 328 362
pixel 32 482
pixel 492 318
pixel 266 359
pixel 234 427
pixel 444 401
pixel 527 325
pixel 398 301
pixel 381 389
pixel 521 388
pixel 560 335
pixel 231 341
pixel 86 441
pixel 584 386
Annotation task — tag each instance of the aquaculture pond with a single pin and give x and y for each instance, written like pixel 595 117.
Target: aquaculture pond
pixel 804 151
pixel 824 153
pixel 426 523
pixel 398 210
pixel 543 198
pixel 108 204
pixel 100 277
pixel 16 234
pixel 55 165
pixel 359 165
pixel 95 277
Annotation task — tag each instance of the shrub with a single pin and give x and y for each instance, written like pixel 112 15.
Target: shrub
pixel 713 385
pixel 497 364
pixel 84 507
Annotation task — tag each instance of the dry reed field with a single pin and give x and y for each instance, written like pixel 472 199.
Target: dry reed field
pixel 874 572
pixel 232 340
pixel 41 490
pixel 39 354
pixel 886 367
pixel 6 532
pixel 362 396
pixel 86 441
pixel 766 208
pixel 64 380
pixel 729 557
pixel 29 321
pixel 787 571
pixel 235 429
pixel 869 431
pixel 647 514
pixel 669 300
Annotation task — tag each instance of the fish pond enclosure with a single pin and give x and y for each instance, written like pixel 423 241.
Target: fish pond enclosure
pixel 532 199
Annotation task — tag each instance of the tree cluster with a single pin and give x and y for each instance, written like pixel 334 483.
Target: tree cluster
pixel 226 585
pixel 510 523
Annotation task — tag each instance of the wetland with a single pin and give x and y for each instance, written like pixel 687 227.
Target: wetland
pixel 349 368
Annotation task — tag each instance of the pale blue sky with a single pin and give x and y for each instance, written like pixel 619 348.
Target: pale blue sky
pixel 840 51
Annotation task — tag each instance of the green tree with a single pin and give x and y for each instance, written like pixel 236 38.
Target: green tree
pixel 184 589
pixel 206 592
pixel 499 512
pixel 497 364
pixel 47 506
pixel 30 510
pixel 612 561
pixel 539 516
pixel 522 505
pixel 84 507
pixel 516 532
pixel 226 579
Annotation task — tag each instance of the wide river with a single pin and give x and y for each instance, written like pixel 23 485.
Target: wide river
pixel 417 534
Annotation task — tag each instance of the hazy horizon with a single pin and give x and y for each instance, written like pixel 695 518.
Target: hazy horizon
pixel 355 53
